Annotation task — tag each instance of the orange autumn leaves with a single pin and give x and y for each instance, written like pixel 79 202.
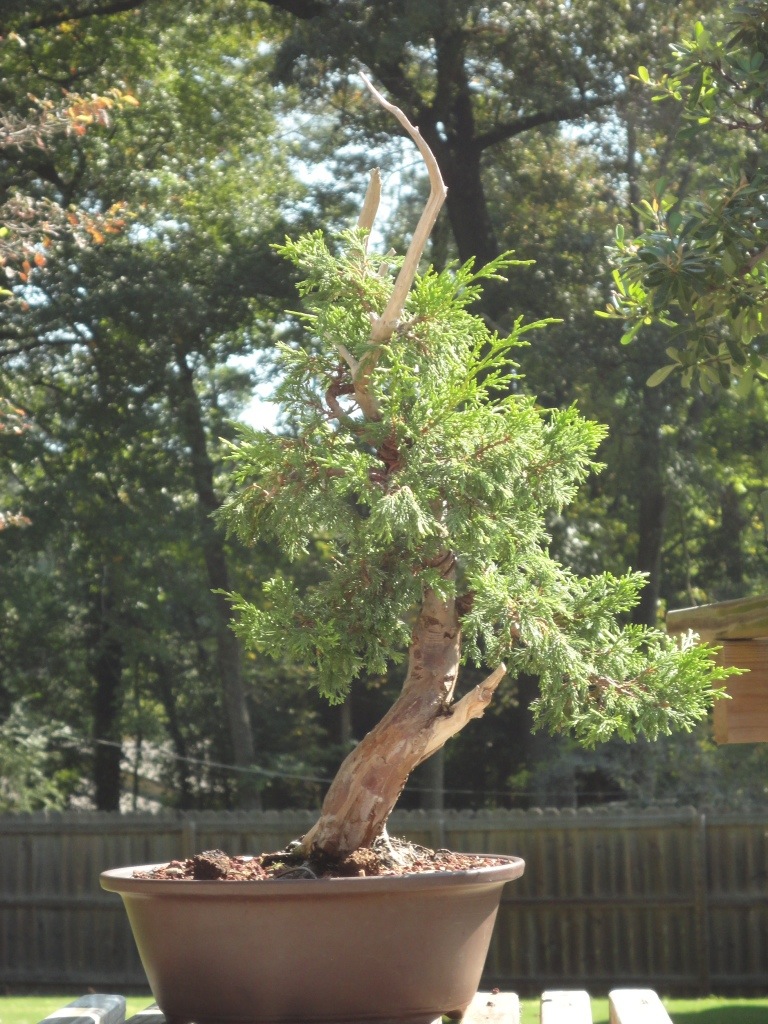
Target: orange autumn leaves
pixel 30 225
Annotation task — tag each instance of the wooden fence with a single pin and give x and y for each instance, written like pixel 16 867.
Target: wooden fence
pixel 676 901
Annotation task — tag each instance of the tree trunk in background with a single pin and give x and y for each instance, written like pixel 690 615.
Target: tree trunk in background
pixel 649 468
pixel 467 209
pixel 733 522
pixel 106 667
pixel 164 676
pixel 459 157
pixel 651 505
pixel 229 658
pixel 346 734
pixel 470 221
pixel 432 779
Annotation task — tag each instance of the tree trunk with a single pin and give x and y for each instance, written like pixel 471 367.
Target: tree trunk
pixel 106 666
pixel 423 717
pixel 470 220
pixel 652 502
pixel 459 157
pixel 433 782
pixel 467 208
pixel 165 689
pixel 733 522
pixel 228 649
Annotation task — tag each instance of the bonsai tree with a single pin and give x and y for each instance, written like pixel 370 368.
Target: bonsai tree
pixel 429 475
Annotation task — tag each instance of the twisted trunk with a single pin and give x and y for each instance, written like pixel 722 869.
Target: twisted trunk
pixel 423 717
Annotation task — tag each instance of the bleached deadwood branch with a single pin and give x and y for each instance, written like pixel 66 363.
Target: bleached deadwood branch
pixel 371 201
pixel 383 327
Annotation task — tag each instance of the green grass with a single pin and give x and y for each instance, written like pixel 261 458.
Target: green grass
pixel 718 1011
pixel 32 1009
pixel 682 1011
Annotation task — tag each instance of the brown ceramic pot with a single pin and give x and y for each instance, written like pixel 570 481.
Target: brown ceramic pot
pixel 405 948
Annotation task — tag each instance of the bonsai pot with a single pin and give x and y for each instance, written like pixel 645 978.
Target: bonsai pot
pixel 404 948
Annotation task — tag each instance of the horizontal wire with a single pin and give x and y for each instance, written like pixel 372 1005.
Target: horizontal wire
pixel 274 773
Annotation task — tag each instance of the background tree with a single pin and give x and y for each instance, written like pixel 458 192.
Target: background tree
pixel 121 361
pixel 700 267
pixel 264 89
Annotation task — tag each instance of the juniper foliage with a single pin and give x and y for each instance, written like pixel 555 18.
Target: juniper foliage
pixel 461 460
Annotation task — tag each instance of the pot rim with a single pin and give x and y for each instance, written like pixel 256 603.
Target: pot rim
pixel 121 880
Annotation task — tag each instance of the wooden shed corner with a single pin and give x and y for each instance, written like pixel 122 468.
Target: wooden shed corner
pixel 740 629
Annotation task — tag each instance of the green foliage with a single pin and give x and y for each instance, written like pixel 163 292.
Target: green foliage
pixel 700 266
pixel 120 356
pixel 460 460
pixel 203 165
pixel 29 780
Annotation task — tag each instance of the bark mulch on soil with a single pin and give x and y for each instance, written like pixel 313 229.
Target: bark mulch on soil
pixel 386 857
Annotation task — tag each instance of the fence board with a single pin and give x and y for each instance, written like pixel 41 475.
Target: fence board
pixel 673 900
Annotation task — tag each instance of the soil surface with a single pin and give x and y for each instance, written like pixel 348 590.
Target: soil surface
pixel 387 857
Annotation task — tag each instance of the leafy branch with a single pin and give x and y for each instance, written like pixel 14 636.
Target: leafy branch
pixel 700 265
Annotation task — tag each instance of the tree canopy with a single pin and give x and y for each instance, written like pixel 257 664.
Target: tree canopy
pixel 153 301
pixel 700 267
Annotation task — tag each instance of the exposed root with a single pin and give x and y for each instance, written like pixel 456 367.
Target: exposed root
pixel 300 871
pixel 398 853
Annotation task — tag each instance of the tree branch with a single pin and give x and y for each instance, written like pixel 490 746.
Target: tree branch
pixel 565 112
pixel 305 10
pixel 472 705
pixel 384 326
pixel 371 201
pixel 77 12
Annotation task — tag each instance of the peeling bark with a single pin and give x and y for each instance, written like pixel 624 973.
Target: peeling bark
pixel 421 720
